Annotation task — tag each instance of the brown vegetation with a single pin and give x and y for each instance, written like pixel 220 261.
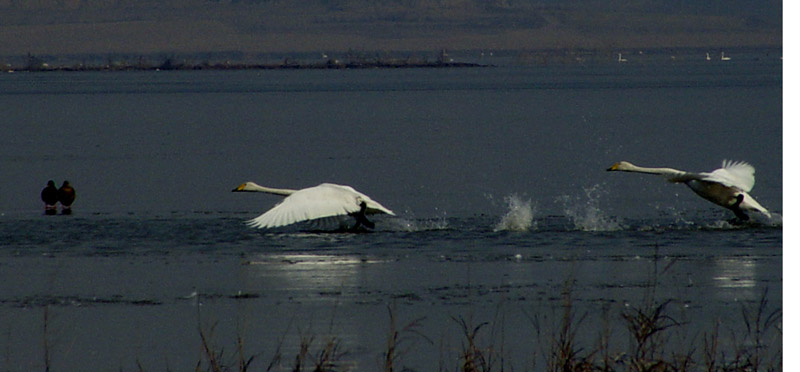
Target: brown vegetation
pixel 655 345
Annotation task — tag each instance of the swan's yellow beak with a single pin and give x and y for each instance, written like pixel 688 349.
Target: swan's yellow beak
pixel 239 188
pixel 613 167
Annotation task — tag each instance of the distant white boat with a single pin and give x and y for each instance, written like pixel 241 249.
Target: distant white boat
pixel 722 57
pixel 620 59
pixel 708 57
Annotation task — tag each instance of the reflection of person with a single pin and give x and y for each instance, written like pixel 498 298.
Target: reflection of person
pixel 50 198
pixel 66 195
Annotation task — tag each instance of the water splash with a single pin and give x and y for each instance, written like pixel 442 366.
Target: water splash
pixel 410 224
pixel 519 216
pixel 756 220
pixel 585 213
pixel 776 220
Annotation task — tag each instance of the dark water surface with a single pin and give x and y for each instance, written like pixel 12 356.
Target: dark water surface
pixel 497 176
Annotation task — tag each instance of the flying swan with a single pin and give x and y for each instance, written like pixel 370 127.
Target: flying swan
pixel 727 186
pixel 324 200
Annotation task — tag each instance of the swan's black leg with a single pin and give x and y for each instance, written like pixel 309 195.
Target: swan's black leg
pixel 740 215
pixel 361 218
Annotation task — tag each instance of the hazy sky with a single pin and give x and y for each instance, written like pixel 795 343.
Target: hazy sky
pixel 152 26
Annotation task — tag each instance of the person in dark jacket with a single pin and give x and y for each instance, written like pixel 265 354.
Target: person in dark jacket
pixel 66 196
pixel 50 198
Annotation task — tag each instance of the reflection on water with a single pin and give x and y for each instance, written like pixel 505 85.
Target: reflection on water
pixel 309 273
pixel 735 273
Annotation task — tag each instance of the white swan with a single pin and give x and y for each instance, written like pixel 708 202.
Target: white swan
pixel 324 200
pixel 727 186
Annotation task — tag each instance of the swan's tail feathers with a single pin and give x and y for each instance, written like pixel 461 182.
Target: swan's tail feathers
pixel 748 203
pixel 374 207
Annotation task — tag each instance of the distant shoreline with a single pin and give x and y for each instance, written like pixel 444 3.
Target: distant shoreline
pixel 170 66
pixel 229 61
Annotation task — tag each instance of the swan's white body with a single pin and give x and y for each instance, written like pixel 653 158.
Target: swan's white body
pixel 727 186
pixel 322 201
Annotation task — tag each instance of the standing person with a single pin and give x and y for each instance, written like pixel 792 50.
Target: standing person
pixel 50 198
pixel 66 195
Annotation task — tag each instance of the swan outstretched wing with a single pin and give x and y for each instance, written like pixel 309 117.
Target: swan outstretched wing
pixel 738 174
pixel 322 201
pixel 289 212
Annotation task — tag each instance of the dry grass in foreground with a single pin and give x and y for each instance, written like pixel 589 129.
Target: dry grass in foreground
pixel 654 334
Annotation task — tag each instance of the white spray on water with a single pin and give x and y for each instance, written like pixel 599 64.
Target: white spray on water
pixel 585 212
pixel 519 216
pixel 409 223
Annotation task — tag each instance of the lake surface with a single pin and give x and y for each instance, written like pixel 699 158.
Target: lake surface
pixel 497 175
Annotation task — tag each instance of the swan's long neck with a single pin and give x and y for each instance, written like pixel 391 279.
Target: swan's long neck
pixel 673 175
pixel 254 187
pixel 660 171
pixel 284 192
